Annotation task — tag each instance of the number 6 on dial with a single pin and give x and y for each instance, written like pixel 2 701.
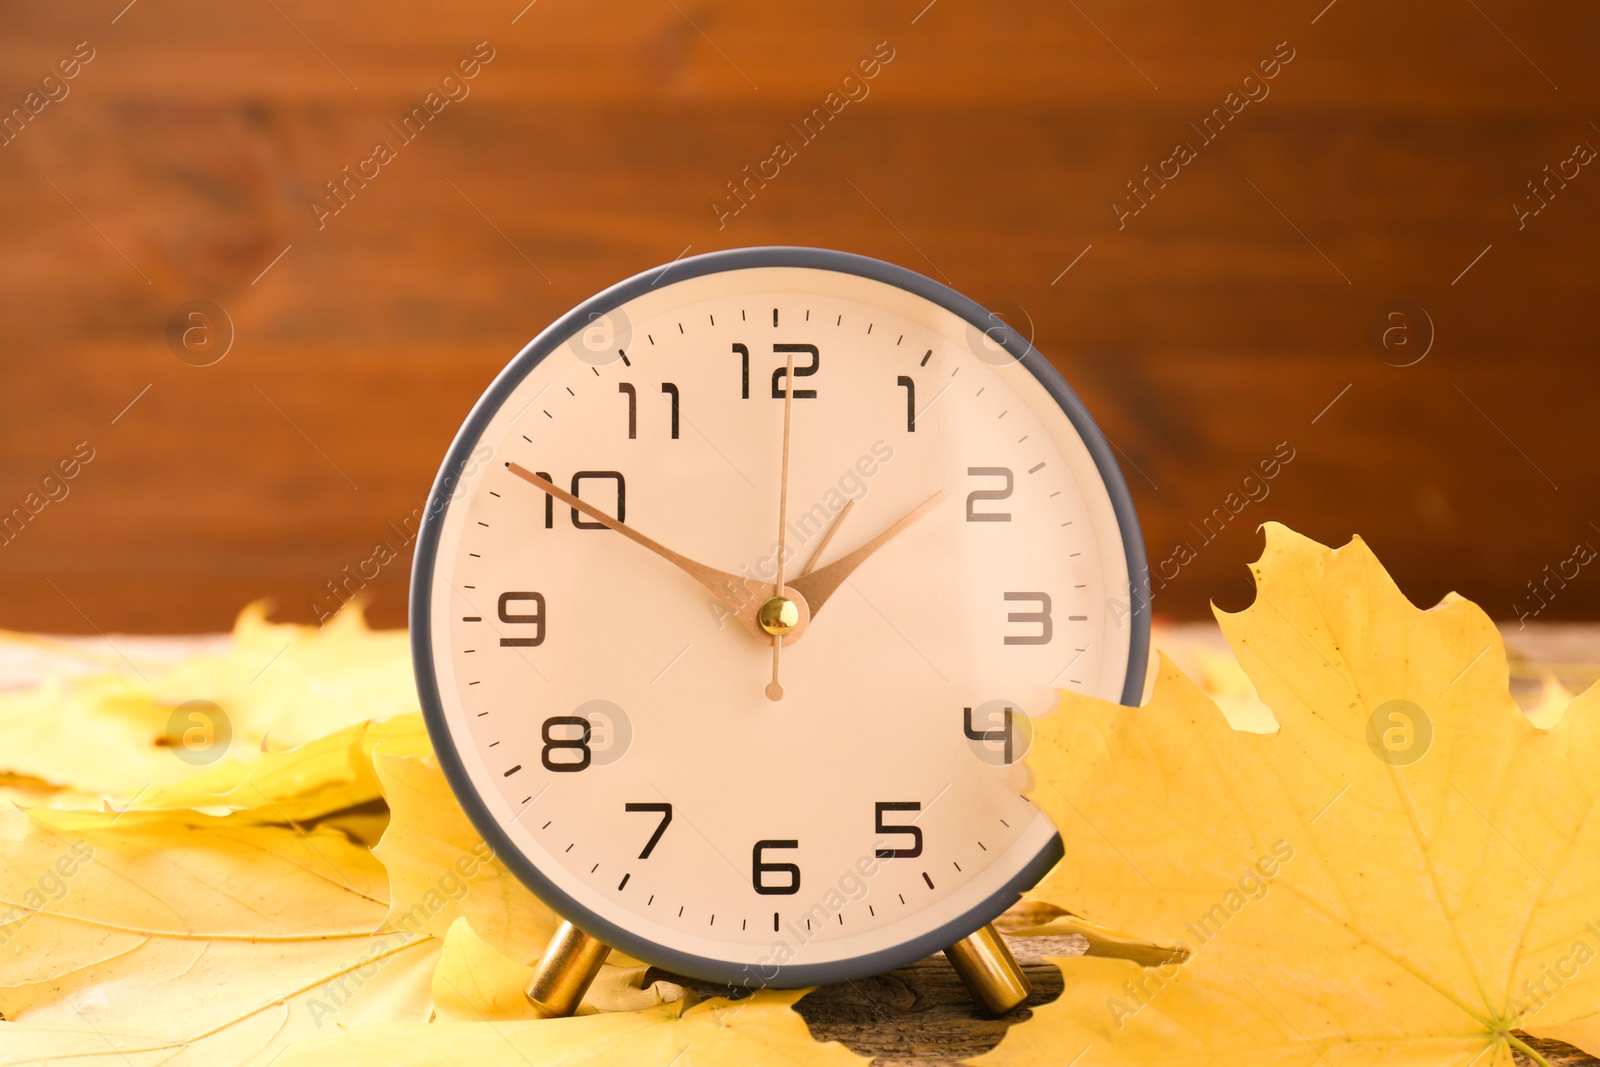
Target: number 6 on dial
pixel 760 868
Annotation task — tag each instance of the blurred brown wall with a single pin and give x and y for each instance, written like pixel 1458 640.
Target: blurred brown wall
pixel 1381 163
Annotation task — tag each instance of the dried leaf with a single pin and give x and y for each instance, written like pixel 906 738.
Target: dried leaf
pixel 1376 882
pixel 288 684
pixel 302 784
pixel 103 735
pixel 123 736
pixel 759 1031
pixel 475 983
pixel 441 869
pixel 173 938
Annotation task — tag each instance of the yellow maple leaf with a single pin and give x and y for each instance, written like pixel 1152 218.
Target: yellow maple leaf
pixel 177 939
pixel 475 983
pixel 441 869
pixel 290 684
pixel 93 736
pixel 301 784
pixel 208 716
pixel 1199 651
pixel 1406 872
pixel 761 1030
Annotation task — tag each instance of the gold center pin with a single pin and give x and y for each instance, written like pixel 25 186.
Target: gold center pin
pixel 779 615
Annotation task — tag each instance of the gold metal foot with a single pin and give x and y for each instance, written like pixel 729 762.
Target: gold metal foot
pixel 563 974
pixel 989 971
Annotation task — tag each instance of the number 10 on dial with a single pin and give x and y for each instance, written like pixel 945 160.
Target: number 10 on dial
pixel 734 602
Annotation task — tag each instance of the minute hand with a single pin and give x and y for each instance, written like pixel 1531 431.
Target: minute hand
pixel 823 582
pixel 724 586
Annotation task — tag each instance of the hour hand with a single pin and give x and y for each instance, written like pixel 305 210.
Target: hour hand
pixel 818 585
pixel 732 590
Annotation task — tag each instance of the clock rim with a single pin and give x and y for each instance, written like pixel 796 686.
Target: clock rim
pixel 457 457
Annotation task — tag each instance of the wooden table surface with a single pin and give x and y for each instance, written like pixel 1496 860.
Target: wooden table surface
pixel 920 1015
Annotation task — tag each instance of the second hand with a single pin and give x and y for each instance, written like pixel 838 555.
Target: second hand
pixel 775 688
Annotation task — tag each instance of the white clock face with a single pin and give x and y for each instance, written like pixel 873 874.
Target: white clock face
pixel 611 717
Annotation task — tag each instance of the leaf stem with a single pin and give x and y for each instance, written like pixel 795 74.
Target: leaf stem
pixel 1527 1050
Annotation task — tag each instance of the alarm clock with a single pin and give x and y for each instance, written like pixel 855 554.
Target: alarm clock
pixel 733 604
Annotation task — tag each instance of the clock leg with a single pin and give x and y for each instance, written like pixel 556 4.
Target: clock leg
pixel 563 974
pixel 989 971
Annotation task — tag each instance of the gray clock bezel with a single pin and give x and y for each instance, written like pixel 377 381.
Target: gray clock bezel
pixel 458 458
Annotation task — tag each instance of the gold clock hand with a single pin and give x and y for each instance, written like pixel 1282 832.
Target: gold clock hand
pixel 728 588
pixel 820 584
pixel 775 687
pixel 827 536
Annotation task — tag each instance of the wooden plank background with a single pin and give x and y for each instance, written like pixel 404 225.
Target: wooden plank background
pixel 1223 318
